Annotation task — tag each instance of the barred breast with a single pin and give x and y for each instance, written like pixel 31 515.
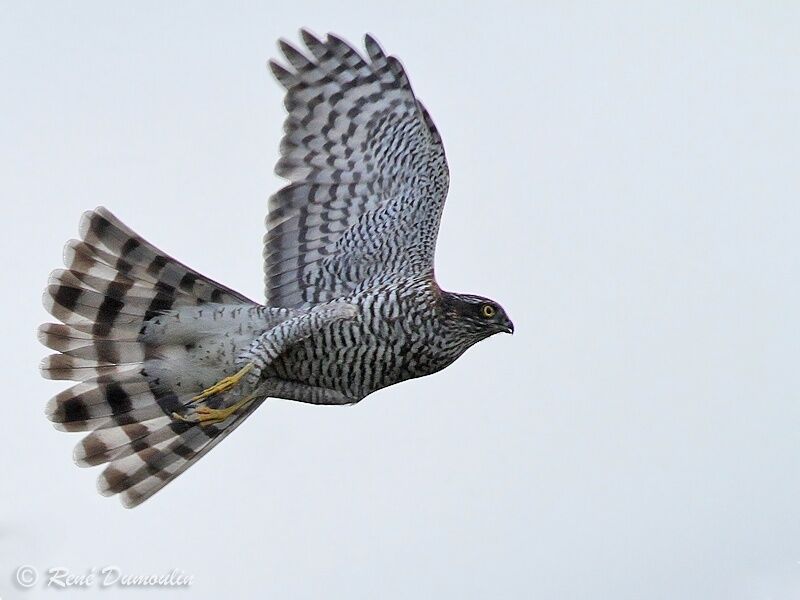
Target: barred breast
pixel 395 338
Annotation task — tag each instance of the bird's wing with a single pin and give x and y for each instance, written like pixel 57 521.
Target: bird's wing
pixel 367 171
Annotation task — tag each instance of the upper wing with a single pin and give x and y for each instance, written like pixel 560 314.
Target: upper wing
pixel 368 176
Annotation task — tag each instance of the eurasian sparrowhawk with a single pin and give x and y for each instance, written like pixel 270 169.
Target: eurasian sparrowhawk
pixel 169 362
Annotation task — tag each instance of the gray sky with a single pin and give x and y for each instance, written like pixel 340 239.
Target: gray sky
pixel 624 182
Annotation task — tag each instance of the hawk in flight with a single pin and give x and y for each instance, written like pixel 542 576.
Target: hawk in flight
pixel 169 362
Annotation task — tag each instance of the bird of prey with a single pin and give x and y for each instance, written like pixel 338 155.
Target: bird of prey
pixel 169 362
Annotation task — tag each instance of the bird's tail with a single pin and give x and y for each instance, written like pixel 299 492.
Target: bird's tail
pixel 118 337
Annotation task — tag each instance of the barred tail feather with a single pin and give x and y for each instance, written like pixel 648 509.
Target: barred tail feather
pixel 63 366
pixel 114 288
pixel 138 475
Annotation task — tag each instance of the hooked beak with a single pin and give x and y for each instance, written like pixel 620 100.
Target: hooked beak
pixel 508 326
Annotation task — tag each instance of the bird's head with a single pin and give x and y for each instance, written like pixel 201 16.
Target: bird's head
pixel 476 316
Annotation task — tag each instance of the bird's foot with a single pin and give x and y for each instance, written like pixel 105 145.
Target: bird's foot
pixel 224 384
pixel 205 415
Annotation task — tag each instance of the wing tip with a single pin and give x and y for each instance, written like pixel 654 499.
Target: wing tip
pixel 309 37
pixel 285 77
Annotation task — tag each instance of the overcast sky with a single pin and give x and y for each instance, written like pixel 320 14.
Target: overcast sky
pixel 624 181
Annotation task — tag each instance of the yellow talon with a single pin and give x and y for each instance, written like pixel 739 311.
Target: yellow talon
pixel 223 385
pixel 209 416
pixel 179 417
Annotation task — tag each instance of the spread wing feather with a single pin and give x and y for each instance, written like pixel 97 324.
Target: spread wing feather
pixel 367 171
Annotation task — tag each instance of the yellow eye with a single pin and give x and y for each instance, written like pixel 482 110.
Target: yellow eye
pixel 488 311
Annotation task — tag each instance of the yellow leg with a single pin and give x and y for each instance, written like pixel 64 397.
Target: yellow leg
pixel 223 385
pixel 208 416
